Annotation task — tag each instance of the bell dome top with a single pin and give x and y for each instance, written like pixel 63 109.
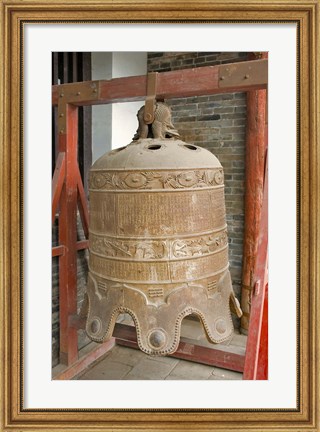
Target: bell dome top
pixel 149 153
pixel 157 145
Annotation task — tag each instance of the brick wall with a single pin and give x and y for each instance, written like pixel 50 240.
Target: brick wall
pixel 217 123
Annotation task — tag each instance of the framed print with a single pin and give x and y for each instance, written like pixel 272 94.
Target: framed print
pixel 271 46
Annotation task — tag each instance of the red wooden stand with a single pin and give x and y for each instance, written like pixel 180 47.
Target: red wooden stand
pixel 256 361
pixel 256 145
pixel 68 197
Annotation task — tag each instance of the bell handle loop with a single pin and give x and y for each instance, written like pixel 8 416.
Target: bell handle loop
pixel 149 106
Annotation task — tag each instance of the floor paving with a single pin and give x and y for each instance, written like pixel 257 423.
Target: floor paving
pixel 191 371
pixel 123 363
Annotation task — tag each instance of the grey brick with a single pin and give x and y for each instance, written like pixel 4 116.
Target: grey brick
pixel 185 62
pixel 211 57
pixel 200 60
pixel 240 109
pixel 186 119
pixel 152 55
pixel 221 97
pixel 208 117
pixel 184 107
pixel 224 110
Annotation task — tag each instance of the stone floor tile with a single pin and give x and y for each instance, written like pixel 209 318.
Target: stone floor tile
pixel 126 355
pixel 175 378
pixel 239 340
pixel 192 329
pixel 106 370
pixel 226 374
pixel 133 377
pixel 83 339
pixel 131 364
pixel 237 377
pixel 190 371
pixel 150 369
pixel 164 359
pixel 132 356
pixel 217 378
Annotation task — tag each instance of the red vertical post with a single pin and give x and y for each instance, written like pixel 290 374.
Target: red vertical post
pixel 256 359
pixel 68 142
pixel 262 367
pixel 256 142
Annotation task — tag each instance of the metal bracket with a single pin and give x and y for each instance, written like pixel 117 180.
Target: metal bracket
pixel 245 73
pixel 76 94
pixel 256 289
pixel 151 97
pixel 258 54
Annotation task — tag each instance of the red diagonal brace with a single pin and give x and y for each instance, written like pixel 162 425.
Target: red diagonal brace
pixel 82 205
pixel 57 182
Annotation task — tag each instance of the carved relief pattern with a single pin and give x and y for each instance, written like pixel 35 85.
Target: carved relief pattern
pixel 212 286
pixel 157 249
pixel 133 249
pixel 208 315
pixel 218 177
pixel 155 292
pixel 199 246
pixel 104 180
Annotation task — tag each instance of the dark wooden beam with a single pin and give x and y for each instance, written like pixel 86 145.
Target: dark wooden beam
pixel 174 84
pixel 87 356
pixel 188 349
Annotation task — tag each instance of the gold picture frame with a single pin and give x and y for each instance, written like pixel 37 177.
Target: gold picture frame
pixel 13 416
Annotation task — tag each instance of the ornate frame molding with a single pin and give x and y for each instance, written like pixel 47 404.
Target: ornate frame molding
pixel 14 416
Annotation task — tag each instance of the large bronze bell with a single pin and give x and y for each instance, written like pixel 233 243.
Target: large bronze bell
pixel 158 239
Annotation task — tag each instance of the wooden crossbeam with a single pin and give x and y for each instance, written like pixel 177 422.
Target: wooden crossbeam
pixel 89 354
pixel 60 250
pixel 188 349
pixel 236 77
